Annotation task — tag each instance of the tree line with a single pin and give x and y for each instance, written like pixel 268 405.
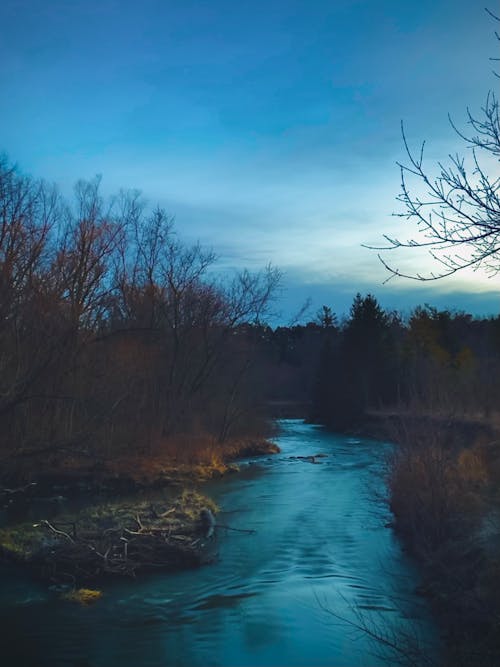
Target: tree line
pixel 433 362
pixel 114 334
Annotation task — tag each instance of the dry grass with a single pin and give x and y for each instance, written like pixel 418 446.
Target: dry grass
pixel 441 493
pixel 188 458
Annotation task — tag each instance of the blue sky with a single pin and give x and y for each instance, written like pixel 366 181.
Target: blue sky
pixel 270 130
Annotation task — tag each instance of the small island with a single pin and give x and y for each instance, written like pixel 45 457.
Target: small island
pixel 113 539
pixel 121 536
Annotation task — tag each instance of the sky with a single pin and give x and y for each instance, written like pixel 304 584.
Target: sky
pixel 270 130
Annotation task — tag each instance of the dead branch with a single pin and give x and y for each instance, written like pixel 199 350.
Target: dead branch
pixel 248 531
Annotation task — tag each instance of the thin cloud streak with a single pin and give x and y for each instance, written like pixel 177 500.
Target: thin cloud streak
pixel 270 131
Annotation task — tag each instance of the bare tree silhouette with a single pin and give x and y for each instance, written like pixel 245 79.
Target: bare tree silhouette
pixel 458 217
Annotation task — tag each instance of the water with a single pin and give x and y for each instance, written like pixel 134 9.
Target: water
pixel 321 566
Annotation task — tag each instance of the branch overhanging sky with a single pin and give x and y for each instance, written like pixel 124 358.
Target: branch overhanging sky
pixel 270 130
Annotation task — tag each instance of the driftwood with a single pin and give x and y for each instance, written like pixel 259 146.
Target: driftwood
pixel 311 458
pixel 248 531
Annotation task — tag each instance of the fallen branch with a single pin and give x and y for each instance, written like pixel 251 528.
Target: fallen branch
pixel 57 531
pixel 249 531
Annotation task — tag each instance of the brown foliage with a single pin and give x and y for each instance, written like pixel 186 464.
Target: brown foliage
pixel 114 337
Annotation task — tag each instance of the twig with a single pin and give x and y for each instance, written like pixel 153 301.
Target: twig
pixel 164 514
pixel 58 532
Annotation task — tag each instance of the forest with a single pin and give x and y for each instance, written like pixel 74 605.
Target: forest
pixel 187 476
pixel 115 336
pixel 430 362
pixel 122 348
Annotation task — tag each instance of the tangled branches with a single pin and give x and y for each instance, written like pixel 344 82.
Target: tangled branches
pixel 458 213
pixel 114 540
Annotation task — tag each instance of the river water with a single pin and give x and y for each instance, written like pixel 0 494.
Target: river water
pixel 321 574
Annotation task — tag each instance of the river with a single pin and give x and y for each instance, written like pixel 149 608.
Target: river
pixel 323 558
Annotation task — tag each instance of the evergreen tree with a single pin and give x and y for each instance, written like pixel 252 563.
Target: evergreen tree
pixel 357 368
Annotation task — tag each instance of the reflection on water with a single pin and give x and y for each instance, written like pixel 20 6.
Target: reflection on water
pixel 321 557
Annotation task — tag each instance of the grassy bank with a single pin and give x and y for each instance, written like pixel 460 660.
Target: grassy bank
pixel 443 480
pixel 181 462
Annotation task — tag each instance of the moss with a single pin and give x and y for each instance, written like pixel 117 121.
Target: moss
pixel 191 503
pixel 83 596
pixel 76 546
pixel 21 541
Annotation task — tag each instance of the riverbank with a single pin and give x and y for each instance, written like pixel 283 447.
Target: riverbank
pixel 71 475
pixel 443 483
pixel 116 536
pixel 399 425
pixel 316 535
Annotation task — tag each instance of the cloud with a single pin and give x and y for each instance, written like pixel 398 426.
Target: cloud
pixel 270 139
pixel 338 293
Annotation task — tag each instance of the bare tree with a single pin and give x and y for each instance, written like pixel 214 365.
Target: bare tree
pixel 29 209
pixel 458 217
pixel 91 236
pixel 113 333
